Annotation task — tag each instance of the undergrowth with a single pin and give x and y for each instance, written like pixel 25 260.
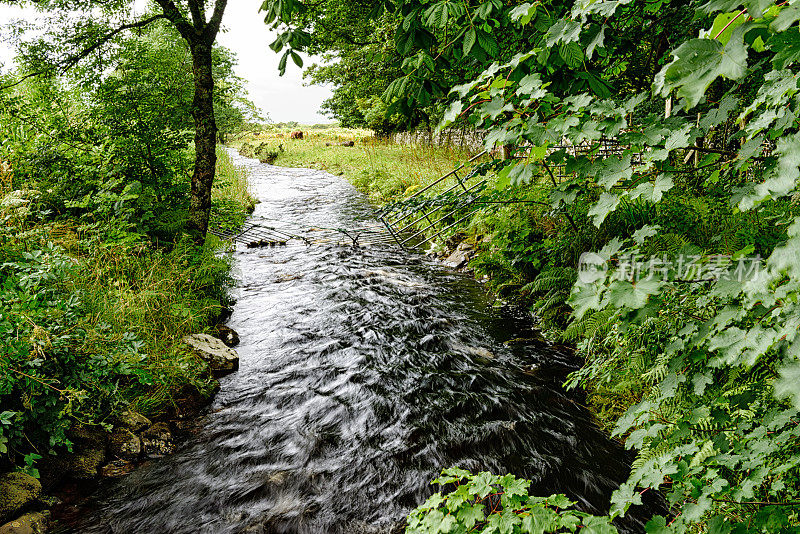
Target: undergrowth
pixel 92 317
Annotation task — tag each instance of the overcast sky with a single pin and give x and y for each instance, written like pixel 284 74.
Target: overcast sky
pixel 284 98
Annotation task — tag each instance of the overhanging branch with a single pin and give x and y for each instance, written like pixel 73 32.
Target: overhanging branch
pixel 74 59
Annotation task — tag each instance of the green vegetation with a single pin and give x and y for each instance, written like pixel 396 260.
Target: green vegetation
pixel 691 355
pixel 99 281
pixel 382 169
pixel 84 37
pixel 492 503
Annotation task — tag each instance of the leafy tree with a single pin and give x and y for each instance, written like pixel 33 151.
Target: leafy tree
pixel 90 28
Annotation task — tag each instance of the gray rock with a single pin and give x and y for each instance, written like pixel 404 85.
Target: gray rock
pixel 32 523
pixel 221 359
pixel 458 259
pixel 134 421
pixel 125 444
pixel 17 492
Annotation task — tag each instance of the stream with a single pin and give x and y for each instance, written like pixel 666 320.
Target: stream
pixel 364 371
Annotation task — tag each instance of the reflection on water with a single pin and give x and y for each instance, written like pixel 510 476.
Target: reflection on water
pixel 363 373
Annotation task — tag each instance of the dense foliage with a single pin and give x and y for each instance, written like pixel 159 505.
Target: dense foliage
pixel 664 136
pixel 98 281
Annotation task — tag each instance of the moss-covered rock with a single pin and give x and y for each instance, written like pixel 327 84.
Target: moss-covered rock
pixel 125 444
pixel 17 492
pixel 31 523
pixel 82 465
pixel 133 421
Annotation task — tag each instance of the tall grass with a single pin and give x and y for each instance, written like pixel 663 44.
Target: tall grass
pixel 232 198
pixel 137 291
pixel 380 168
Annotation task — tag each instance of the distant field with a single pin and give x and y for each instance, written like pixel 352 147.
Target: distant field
pixel 384 170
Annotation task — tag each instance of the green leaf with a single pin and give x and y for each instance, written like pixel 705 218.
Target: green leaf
pixel 452 113
pixel 624 294
pixel 697 63
pixel 524 13
pixel 658 525
pixel 471 514
pixel 788 385
pixel 783 179
pixel 469 41
pixel 613 170
pixel 487 42
pixel 563 31
pixel 541 520
pixel 653 192
pixel 724 24
pixel 297 59
pixel 596 42
pixel 786 47
pixel 282 63
pixel 641 235
pixel 495 107
pixel 572 54
pixel 584 297
pixel 607 203
pixel 787 16
pixel 597 525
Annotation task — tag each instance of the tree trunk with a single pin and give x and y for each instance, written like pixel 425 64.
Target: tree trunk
pixel 205 141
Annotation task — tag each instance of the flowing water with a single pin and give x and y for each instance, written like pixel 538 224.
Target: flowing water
pixel 364 371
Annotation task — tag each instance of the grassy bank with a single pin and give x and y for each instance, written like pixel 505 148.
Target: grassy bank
pixel 381 169
pixel 93 313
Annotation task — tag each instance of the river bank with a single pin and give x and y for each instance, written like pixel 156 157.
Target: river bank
pixel 97 374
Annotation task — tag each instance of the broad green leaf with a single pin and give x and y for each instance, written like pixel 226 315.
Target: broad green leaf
pixel 788 385
pixel 471 514
pixel 787 16
pixel 697 63
pixel 584 297
pixel 597 525
pixel 641 235
pixel 469 41
pixel 452 113
pixel 653 192
pixel 572 54
pixel 613 170
pixel 783 179
pixel 524 13
pixel 624 294
pixel 786 47
pixel 724 24
pixel 564 31
pixel 607 203
pixel 596 42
